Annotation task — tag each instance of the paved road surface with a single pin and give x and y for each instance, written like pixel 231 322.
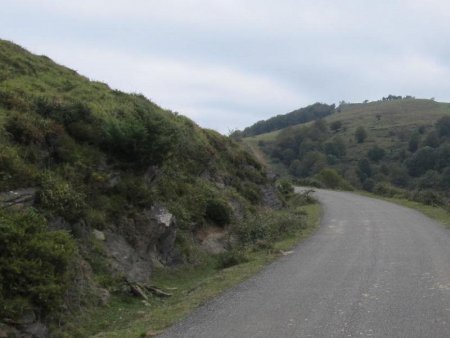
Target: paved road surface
pixel 373 269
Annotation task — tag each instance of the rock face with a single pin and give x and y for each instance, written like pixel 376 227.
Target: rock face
pixel 270 197
pixel 141 242
pixel 20 198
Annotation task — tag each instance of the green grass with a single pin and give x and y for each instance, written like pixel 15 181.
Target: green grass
pixel 191 287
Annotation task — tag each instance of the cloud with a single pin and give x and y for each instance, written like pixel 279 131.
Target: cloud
pixel 229 63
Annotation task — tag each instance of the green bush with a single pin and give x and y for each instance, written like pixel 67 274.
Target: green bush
pixel 269 227
pixel 231 258
pixel 33 264
pixel 428 197
pixel 285 187
pixel 58 196
pixel 387 190
pixel 218 211
pixel 330 178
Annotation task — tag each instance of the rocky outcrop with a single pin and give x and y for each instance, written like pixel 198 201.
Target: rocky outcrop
pixel 138 244
pixel 20 198
pixel 270 197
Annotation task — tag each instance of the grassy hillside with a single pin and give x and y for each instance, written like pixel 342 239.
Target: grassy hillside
pixel 390 146
pixel 90 176
pixel 302 115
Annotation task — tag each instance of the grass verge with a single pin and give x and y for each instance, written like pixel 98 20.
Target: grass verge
pixel 190 288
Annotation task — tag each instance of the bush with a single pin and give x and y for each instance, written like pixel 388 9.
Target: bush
pixel 231 258
pixel 428 197
pixel 376 153
pixel 218 211
pixel 385 189
pixel 331 179
pixel 360 134
pixel 58 196
pixel 268 227
pixel 33 264
pixel 285 187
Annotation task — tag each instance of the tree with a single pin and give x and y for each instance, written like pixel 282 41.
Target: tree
pixel 443 126
pixel 360 134
pixel 376 153
pixel 336 125
pixel 364 169
pixel 413 143
pixel 432 139
pixel 421 161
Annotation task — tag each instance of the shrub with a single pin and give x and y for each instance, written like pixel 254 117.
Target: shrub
pixel 331 179
pixel 33 264
pixel 428 197
pixel 231 258
pixel 368 185
pixel 376 153
pixel 285 187
pixel 385 189
pixel 58 196
pixel 360 134
pixel 218 211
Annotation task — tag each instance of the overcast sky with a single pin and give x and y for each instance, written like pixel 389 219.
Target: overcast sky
pixel 227 64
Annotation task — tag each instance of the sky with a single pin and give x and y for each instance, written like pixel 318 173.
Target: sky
pixel 227 64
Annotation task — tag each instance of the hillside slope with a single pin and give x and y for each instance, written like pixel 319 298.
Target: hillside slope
pixel 99 187
pixel 379 146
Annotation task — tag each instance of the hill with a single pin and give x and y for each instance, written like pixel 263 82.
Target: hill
pixel 302 115
pixel 392 146
pixel 99 189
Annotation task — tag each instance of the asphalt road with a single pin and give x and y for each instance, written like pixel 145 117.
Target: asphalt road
pixel 373 269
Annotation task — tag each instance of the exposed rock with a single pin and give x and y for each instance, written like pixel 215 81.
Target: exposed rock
pixel 126 260
pixel 113 180
pixel 213 240
pixel 20 198
pixel 59 223
pixel 139 243
pixel 34 330
pixel 270 197
pixel 99 235
pixel 237 208
pixel 103 295
pixel 8 331
pixel 151 173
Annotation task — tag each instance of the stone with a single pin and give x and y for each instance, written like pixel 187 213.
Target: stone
pixel 99 235
pixel 103 295
pixel 20 198
pixel 35 330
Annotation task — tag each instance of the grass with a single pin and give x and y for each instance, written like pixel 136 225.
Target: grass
pixel 191 287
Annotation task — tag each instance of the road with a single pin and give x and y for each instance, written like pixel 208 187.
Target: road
pixel 373 269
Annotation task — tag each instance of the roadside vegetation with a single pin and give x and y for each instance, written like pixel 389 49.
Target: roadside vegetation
pixel 259 240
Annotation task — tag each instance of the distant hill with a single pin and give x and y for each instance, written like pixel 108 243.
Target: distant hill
pixel 392 145
pixel 302 115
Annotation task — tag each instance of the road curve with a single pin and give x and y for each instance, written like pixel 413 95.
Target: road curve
pixel 373 269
